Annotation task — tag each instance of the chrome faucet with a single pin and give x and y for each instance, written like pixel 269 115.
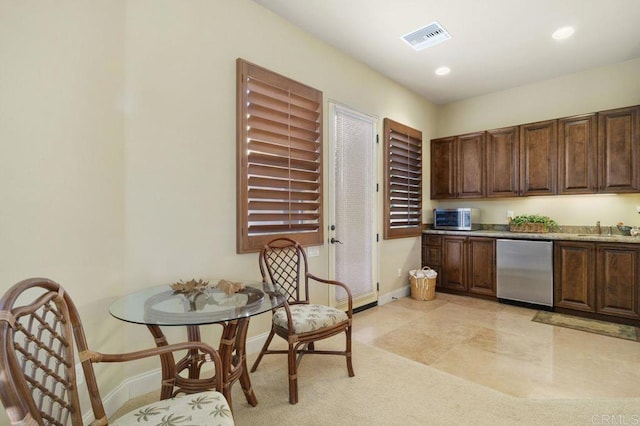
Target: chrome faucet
pixel 598 229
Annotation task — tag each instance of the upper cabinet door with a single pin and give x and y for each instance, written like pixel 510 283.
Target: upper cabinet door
pixel 503 166
pixel 618 150
pixel 443 168
pixel 471 165
pixel 577 153
pixel 538 153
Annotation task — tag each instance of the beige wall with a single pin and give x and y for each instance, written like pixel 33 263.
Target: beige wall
pixel 61 145
pixel 62 166
pixel 117 143
pixel 597 89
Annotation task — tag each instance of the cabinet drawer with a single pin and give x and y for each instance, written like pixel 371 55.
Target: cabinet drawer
pixel 432 240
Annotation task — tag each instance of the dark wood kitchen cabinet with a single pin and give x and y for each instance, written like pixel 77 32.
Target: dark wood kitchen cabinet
pixel 481 276
pixel 574 275
pixel 538 151
pixel 508 162
pixel 617 284
pixel 618 152
pixel 453 264
pixel 443 168
pixel 503 164
pixel 459 167
pixel 590 153
pixel 597 278
pixel 470 172
pixel 468 265
pixel 432 253
pixel 577 155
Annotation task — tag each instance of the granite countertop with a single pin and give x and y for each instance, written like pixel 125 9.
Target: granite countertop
pixel 549 236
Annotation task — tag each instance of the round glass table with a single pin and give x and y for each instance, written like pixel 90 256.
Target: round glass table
pixel 162 306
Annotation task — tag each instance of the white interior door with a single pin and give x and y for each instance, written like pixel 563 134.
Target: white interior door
pixel 352 227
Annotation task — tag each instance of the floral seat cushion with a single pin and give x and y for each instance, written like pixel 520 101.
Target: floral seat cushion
pixel 198 409
pixel 310 317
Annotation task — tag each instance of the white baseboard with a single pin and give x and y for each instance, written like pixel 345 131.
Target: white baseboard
pixel 396 294
pixel 128 389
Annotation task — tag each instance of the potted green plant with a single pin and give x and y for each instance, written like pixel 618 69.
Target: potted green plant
pixel 532 223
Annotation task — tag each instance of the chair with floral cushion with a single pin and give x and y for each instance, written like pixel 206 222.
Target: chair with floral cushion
pixel 42 339
pixel 299 322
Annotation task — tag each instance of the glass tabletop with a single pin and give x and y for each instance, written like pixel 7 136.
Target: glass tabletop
pixel 160 305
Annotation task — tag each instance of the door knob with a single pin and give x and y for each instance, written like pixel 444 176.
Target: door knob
pixel 333 241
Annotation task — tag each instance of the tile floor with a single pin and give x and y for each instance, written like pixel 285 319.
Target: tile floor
pixel 498 346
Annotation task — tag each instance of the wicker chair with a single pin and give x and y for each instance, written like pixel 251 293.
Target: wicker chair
pixel 39 324
pixel 299 322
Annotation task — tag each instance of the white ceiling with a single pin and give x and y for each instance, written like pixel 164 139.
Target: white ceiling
pixel 496 44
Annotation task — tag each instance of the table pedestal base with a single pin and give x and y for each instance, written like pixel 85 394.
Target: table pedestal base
pixel 234 363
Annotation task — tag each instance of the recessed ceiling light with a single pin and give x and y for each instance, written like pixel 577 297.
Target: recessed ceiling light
pixel 442 71
pixel 562 33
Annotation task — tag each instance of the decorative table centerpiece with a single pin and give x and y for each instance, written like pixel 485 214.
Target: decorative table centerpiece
pixel 230 287
pixel 190 287
pixel 191 290
pixel 533 223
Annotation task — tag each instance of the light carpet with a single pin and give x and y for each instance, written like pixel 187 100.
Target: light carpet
pixel 391 390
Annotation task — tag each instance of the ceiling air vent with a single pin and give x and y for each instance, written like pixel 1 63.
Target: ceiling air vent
pixel 427 36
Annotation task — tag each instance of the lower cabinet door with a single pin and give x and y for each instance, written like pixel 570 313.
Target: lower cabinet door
pixel 617 280
pixel 453 263
pixel 574 272
pixel 481 256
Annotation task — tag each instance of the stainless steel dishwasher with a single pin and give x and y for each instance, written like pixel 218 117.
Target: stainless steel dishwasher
pixel 525 272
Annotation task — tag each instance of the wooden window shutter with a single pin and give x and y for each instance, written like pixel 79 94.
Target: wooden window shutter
pixel 279 141
pixel 402 180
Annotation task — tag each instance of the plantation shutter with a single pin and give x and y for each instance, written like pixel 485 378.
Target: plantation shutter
pixel 403 180
pixel 280 159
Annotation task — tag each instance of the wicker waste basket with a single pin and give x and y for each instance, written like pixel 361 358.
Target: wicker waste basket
pixel 423 283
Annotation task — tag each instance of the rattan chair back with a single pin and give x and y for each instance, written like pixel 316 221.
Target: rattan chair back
pixel 284 263
pixel 39 325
